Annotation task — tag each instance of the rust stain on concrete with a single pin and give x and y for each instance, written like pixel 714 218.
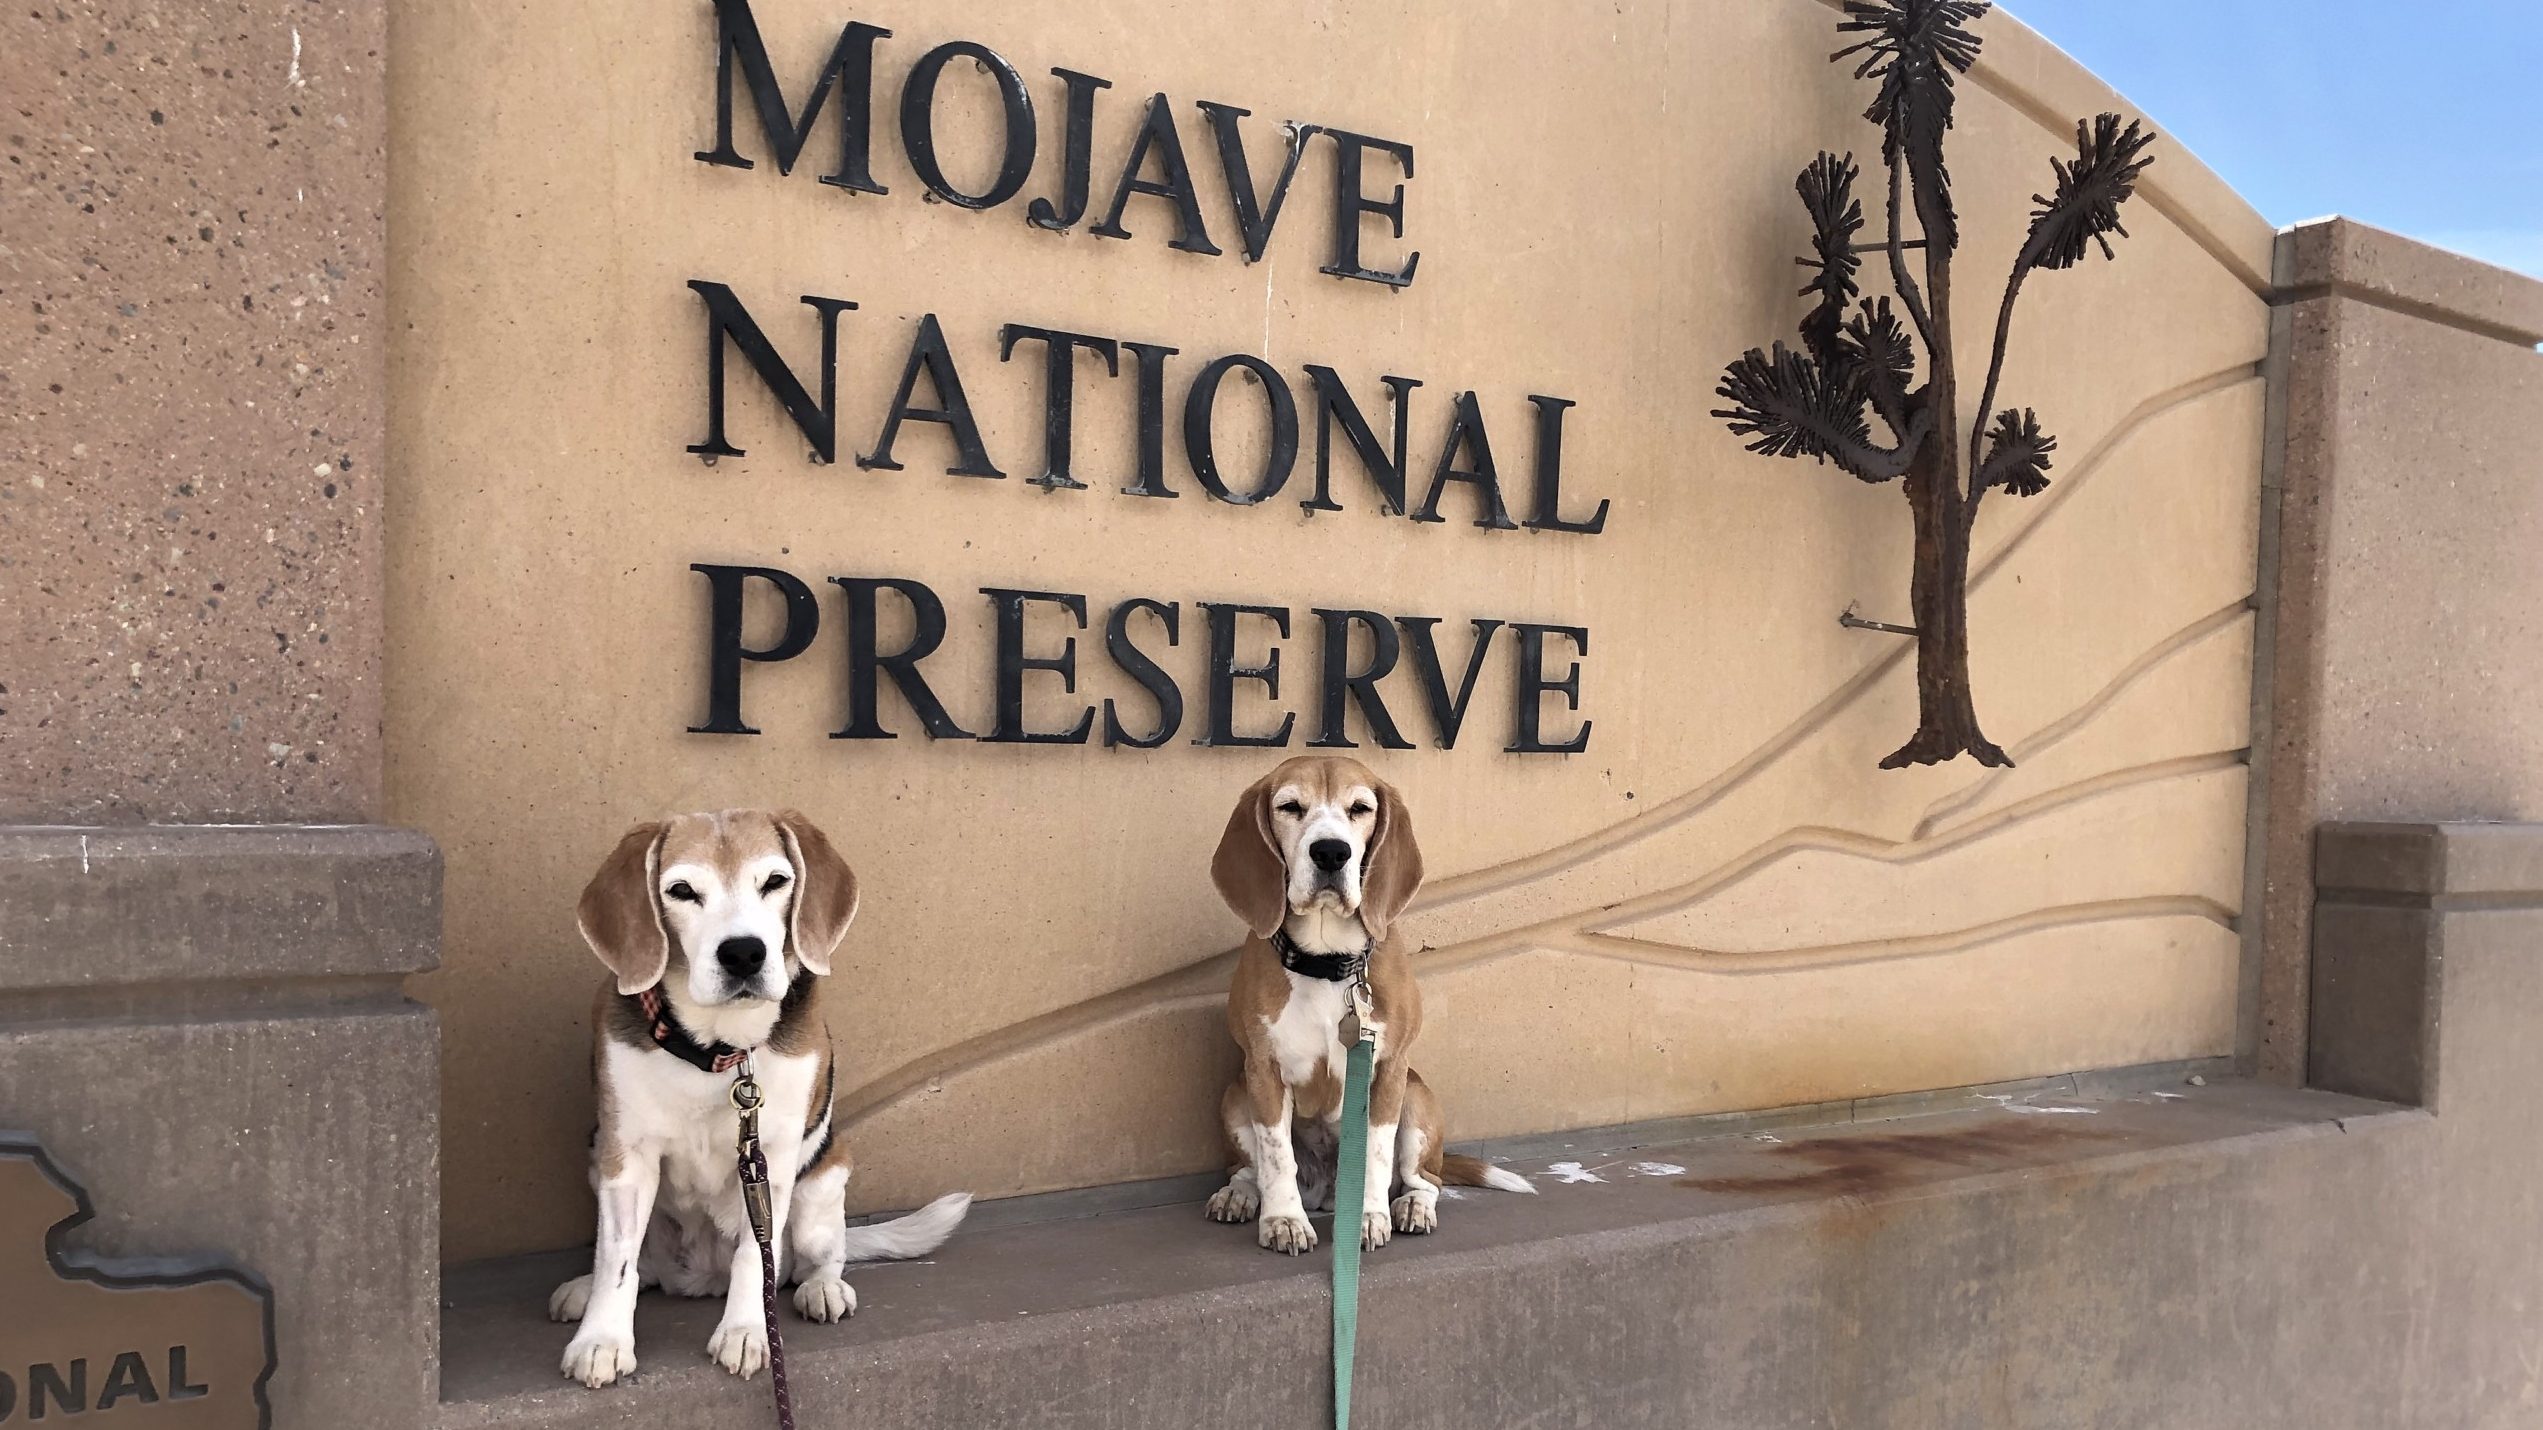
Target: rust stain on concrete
pixel 1855 1166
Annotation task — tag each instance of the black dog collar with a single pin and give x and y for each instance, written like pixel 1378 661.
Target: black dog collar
pixel 668 1033
pixel 1331 967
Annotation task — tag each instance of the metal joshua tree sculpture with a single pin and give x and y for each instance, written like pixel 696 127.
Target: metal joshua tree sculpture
pixel 1859 359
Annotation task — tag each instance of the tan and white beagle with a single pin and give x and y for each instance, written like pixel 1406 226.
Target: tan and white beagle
pixel 719 930
pixel 1319 859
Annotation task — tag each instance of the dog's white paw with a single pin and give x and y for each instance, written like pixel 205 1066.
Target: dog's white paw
pixel 741 1349
pixel 1375 1229
pixel 1416 1213
pixel 825 1299
pixel 1235 1202
pixel 596 1358
pixel 1289 1234
pixel 566 1302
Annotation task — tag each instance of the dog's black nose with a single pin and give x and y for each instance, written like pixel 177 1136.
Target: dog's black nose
pixel 741 957
pixel 1329 854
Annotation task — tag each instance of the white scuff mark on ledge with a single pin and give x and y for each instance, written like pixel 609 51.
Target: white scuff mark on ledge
pixel 294 77
pixel 1658 1169
pixel 2029 1109
pixel 1572 1173
pixel 83 855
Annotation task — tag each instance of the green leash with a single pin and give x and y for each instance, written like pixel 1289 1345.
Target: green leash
pixel 1350 1182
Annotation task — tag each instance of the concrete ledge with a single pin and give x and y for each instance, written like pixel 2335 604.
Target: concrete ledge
pixel 2393 896
pixel 2344 257
pixel 118 907
pixel 2429 864
pixel 1810 1275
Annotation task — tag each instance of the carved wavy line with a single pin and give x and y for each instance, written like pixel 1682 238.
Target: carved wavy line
pixel 1908 851
pixel 1842 955
pixel 1194 983
pixel 1200 984
pixel 2155 187
pixel 1512 873
pixel 2049 736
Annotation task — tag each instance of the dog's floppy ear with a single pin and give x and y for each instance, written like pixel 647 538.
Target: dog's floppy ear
pixel 1247 869
pixel 825 891
pixel 1393 869
pixel 621 914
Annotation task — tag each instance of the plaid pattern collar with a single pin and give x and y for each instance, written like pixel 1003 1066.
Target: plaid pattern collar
pixel 664 1027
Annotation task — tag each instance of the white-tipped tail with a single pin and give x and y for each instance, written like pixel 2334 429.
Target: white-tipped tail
pixel 917 1234
pixel 1476 1172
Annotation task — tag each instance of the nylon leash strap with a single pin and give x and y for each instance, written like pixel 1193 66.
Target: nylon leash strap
pixel 1350 1184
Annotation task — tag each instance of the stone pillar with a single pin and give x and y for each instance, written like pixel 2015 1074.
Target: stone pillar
pixel 201 945
pixel 2402 598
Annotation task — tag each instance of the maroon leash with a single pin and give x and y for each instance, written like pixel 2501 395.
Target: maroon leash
pixel 755 1201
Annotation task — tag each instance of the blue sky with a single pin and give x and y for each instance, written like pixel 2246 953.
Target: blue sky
pixel 2420 116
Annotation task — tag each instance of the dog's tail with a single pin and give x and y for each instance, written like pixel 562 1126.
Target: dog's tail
pixel 1476 1172
pixel 917 1234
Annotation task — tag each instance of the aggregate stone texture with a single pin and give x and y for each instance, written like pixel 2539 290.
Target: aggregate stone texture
pixel 192 391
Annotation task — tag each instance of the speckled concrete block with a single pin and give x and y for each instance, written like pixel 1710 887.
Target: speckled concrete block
pixel 205 1027
pixel 2407 601
pixel 192 387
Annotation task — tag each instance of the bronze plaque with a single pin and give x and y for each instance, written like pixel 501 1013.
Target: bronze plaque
pixel 155 1343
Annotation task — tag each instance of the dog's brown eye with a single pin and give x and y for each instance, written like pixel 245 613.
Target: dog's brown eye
pixel 774 883
pixel 1359 808
pixel 683 893
pixel 1291 806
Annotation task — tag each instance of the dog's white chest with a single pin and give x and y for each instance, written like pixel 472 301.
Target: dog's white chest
pixel 1307 1033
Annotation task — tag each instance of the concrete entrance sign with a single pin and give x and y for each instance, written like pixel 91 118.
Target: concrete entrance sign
pixel 1709 901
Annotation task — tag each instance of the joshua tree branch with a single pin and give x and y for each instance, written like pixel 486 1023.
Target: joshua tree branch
pixel 1909 295
pixel 2023 263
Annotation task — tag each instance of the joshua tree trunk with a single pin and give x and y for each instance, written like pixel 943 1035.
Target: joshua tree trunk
pixel 1946 716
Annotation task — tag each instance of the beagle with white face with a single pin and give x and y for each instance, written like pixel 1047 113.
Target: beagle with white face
pixel 1319 859
pixel 718 930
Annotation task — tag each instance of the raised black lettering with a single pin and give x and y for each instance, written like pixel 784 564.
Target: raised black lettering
pixel 1200 447
pixel 1447 712
pixel 1466 432
pixel 1333 400
pixel 727 590
pixel 1077 155
pixel 865 661
pixel 851 66
pixel 1059 390
pixel 1351 201
pixel 1135 663
pixel 1549 473
pixel 1152 421
pixel 927 354
pixel 1010 728
pixel 1529 738
pixel 1157 132
pixel 918 124
pixel 1341 682
pixel 727 318
pixel 1254 219
pixel 1225 672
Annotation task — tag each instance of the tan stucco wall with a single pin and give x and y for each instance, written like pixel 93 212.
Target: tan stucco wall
pixel 1721 905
